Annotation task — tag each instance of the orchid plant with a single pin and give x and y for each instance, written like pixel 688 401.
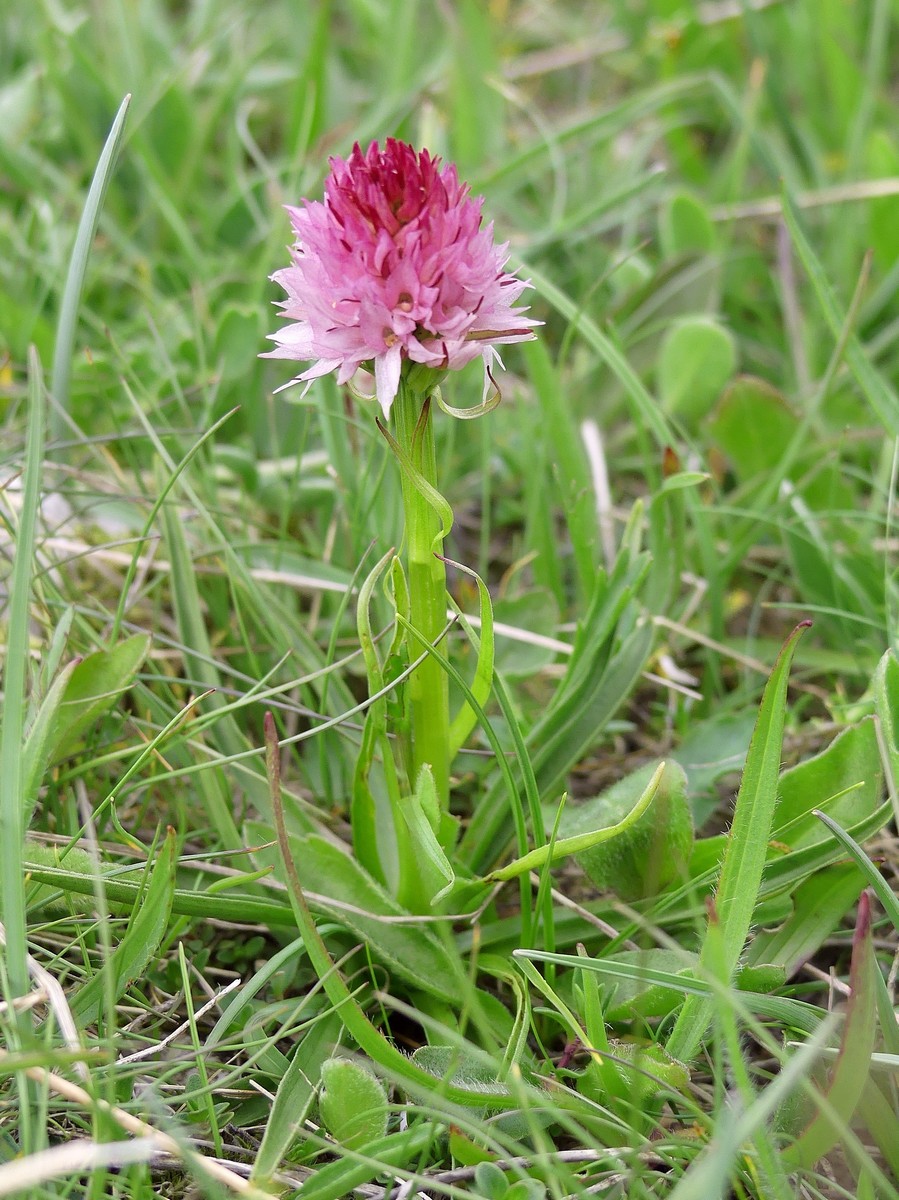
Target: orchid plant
pixel 396 273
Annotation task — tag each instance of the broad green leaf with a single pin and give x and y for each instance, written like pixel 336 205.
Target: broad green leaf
pixel 371 1040
pixel 747 846
pixel 92 687
pixel 349 895
pixel 685 227
pixel 470 1073
pixel 432 871
pixel 653 850
pixel 754 425
pixel 819 904
pixel 848 769
pixel 147 927
pixel 641 1067
pixel 352 1104
pixel 37 750
pixel 697 358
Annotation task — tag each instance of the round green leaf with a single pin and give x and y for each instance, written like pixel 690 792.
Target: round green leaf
pixel 697 358
pixel 353 1103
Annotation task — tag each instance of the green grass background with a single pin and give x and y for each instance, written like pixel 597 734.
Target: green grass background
pixel 706 198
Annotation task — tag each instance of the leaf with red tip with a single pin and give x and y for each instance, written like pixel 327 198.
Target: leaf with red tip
pixel 853 1063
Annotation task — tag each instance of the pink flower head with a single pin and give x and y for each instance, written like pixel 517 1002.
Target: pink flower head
pixel 395 266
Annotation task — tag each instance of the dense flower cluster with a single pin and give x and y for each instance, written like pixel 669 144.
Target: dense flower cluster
pixel 395 266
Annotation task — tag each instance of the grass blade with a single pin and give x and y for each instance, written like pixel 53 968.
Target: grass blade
pixel 882 889
pixel 879 394
pixel 11 735
pixel 71 296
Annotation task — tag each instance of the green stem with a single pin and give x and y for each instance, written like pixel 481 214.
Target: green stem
pixel 428 686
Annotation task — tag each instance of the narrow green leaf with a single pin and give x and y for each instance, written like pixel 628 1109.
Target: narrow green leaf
pixel 294 1097
pixel 71 296
pixel 200 664
pixel 14 676
pixel 588 711
pixel 146 929
pixel 363 812
pixel 426 490
pixel 341 1178
pixel 646 410
pixel 466 718
pixel 879 394
pixel 747 846
pixel 119 892
pixel 854 1060
pixel 886 706
pixel 563 847
pixel 882 889
pixel 795 1014
pixel 37 750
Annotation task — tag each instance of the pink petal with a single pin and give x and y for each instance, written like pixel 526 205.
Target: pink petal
pixel 387 377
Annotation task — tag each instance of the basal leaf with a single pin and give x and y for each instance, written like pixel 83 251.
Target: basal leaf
pixel 337 885
pixel 746 849
pixel 92 687
pixel 146 929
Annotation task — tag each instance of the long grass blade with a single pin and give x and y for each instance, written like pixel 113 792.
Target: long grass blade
pixel 61 374
pixel 14 680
